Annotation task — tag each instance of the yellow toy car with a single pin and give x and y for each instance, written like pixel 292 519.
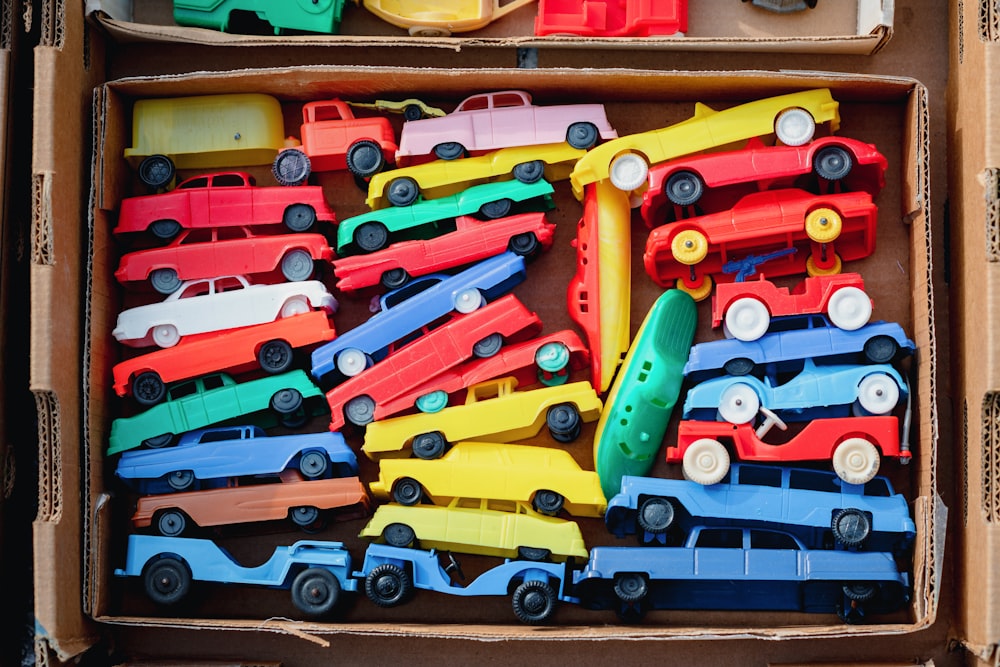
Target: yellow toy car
pixel 411 108
pixel 493 412
pixel 440 18
pixel 547 478
pixel 791 118
pixel 440 178
pixel 478 527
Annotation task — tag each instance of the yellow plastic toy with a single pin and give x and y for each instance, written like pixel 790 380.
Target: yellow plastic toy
pixel 440 18
pixel 411 108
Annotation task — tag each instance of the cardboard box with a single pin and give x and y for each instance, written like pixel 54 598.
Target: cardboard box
pixel 838 26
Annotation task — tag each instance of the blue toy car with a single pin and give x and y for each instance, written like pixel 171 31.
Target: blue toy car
pixel 416 305
pixel 815 505
pixel 213 454
pixel 315 572
pixel 748 569
pixel 391 573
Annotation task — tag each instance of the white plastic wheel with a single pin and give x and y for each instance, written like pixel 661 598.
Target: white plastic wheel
pixel 878 394
pixel 628 172
pixel 706 461
pixel 849 308
pixel 351 361
pixel 297 305
pixel 856 461
pixel 794 127
pixel 747 319
pixel 739 404
pixel 166 335
pixel 468 300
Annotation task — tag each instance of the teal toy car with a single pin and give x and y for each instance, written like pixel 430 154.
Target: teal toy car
pixel 308 15
pixel 212 399
pixel 428 218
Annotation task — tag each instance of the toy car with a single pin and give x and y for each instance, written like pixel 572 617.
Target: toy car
pixel 387 387
pixel 203 132
pixel 440 18
pixel 477 527
pixel 791 118
pixel 547 478
pixel 305 502
pixel 205 253
pixel 316 573
pixel 411 108
pixel 226 199
pixel 440 178
pixel 375 230
pixel 493 412
pixel 746 308
pixel 637 409
pixel 814 505
pixel 692 184
pixel 334 140
pixel 269 347
pixel 599 295
pixel 757 569
pixel 794 231
pixel 391 573
pixel 322 16
pixel 855 446
pixel 784 6
pixel 526 234
pixel 211 399
pixel 408 309
pixel 611 18
pixel 207 455
pixel 489 121
pixel 215 304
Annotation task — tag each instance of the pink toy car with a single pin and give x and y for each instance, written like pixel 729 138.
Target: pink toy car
pixel 490 121
pixel 223 200
pixel 611 18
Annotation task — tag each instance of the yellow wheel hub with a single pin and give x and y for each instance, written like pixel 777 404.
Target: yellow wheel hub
pixel 824 225
pixel 698 292
pixel 689 247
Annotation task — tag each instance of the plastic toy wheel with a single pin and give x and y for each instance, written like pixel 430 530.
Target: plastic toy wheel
pixel 394 278
pixel 304 515
pixel 878 394
pixel 655 515
pixel 167 580
pixel 434 401
pixel 388 585
pixel 171 523
pixel 399 535
pixel 689 247
pixel 407 491
pixel 412 112
pixel 770 421
pixel 860 591
pixel 165 230
pixel 297 265
pixel 166 335
pixel 747 319
pixel 552 357
pixel 794 127
pixel 180 480
pixel 468 300
pixel 156 171
pixel 428 31
pixel 582 135
pixel 526 245
pixel 315 591
pixel 706 461
pixel 535 554
pixel 275 356
pixel 564 422
pixel 833 266
pixel 548 502
pixel 823 225
pixel 297 305
pixel 449 151
pixel 429 446
pixel 850 527
pixel 286 401
pixel 738 366
pixel 856 460
pixel 496 209
pixel 849 308
pixel 360 410
pixel 313 465
pixel 698 292
pixel 294 419
pixel 351 361
pixel 534 602
pixel 148 388
pixel 158 441
pixel 299 218
pixel 529 172
pixel 833 163
pixel 488 346
pixel 628 171
pixel 371 236
pixel 291 167
pixel 881 349
pixel 739 404
pixel 164 281
pixel 684 188
pixel 630 587
pixel 365 159
pixel 402 191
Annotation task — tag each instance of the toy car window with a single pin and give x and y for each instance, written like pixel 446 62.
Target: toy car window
pixel 878 487
pixel 231 233
pixel 228 284
pixel 196 236
pixel 411 289
pixel 507 100
pixel 813 480
pixel 768 539
pixel 219 436
pixel 760 476
pixel 194 183
pixel 183 389
pixel 199 288
pixel 326 112
pixel 720 538
pixel 474 104
pixel 228 181
pixel 212 382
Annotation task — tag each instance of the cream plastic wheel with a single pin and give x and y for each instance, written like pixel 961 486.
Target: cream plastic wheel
pixel 814 269
pixel 628 172
pixel 823 225
pixel 706 461
pixel 747 319
pixel 856 461
pixel 739 403
pixel 689 247
pixel 878 394
pixel 699 293
pixel 849 308
pixel 468 300
pixel 295 306
pixel 166 335
pixel 351 361
pixel 794 127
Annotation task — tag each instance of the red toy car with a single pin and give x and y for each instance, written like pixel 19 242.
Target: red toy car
pixel 482 333
pixel 526 234
pixel 224 199
pixel 793 230
pixel 690 186
pixel 268 346
pixel 611 18
pixel 205 253
pixel 334 140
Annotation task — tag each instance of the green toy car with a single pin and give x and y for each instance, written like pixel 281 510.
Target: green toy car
pixel 307 15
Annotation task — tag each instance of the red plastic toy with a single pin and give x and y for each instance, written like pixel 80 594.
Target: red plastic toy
pixel 224 199
pixel 611 18
pixel 526 234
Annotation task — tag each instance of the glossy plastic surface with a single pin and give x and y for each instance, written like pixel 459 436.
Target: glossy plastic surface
pixel 322 16
pixel 611 18
pixel 440 18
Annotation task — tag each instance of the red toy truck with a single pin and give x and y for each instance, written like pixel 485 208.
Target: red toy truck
pixel 611 18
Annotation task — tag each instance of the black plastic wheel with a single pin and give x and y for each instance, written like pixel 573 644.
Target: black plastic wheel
pixel 548 502
pixel 299 218
pixel 313 465
pixel 170 523
pixel 529 172
pixel 156 171
pixel 286 401
pixel 684 188
pixel 630 587
pixel 489 346
pixel 407 491
pixel 449 151
pixel 536 554
pixel 738 366
pixel 291 167
pixel 412 112
pixel 496 209
pixel 429 446
pixel 165 230
pixel 275 356
pixel 526 245
pixel 394 278
pixel 167 580
pixel 534 602
pixel 860 591
pixel 564 422
pixel 388 585
pixel 582 135
pixel 360 410
pixel 399 535
pixel 165 281
pixel 881 349
pixel 181 480
pixel 371 236
pixel 850 526
pixel 833 163
pixel 158 441
pixel 365 159
pixel 655 515
pixel 304 515
pixel 315 591
pixel 402 191
pixel 148 388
